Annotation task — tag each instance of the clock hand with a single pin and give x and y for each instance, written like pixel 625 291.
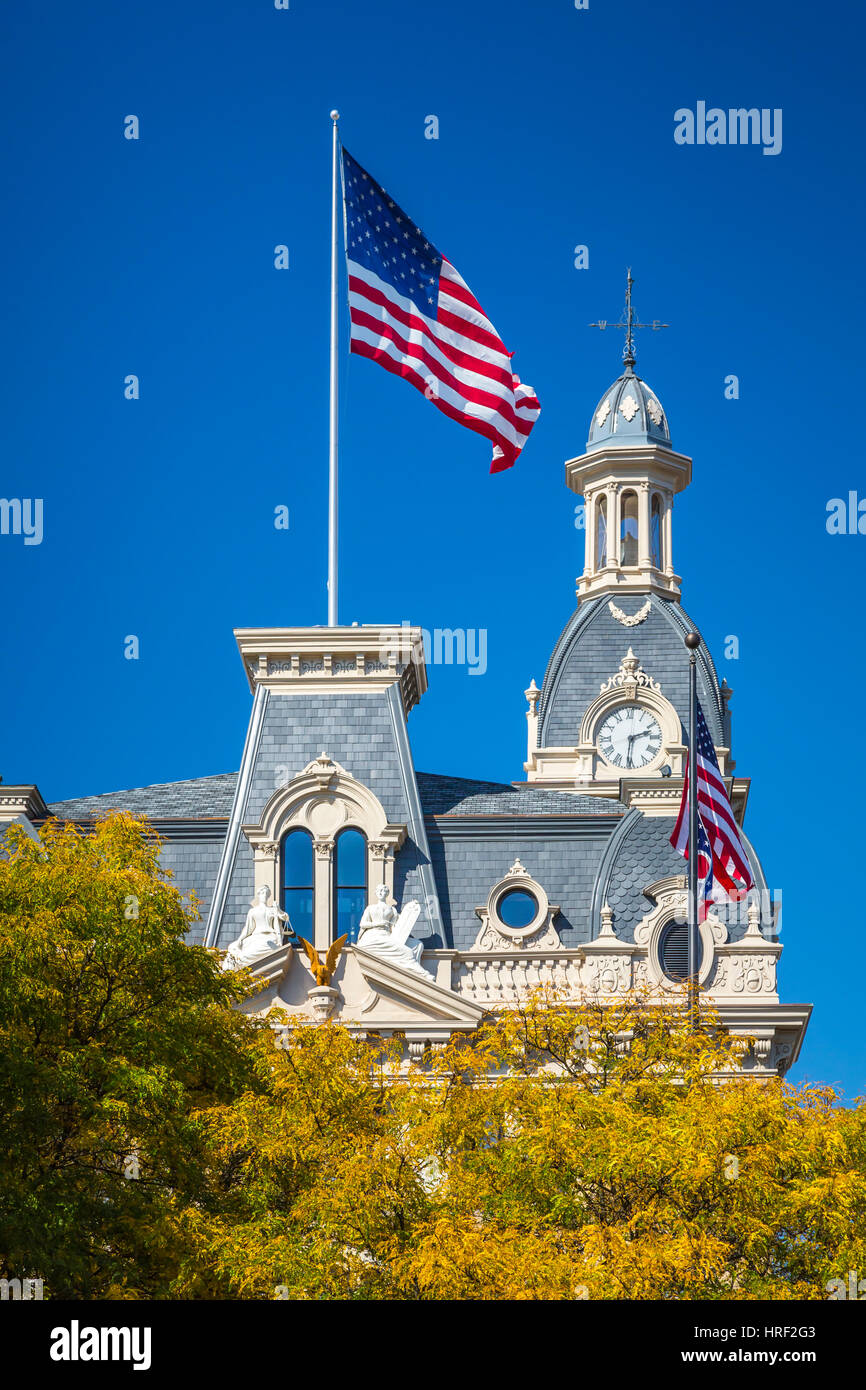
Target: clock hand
pixel 631 739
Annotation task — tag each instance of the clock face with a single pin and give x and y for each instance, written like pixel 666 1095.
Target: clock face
pixel 630 737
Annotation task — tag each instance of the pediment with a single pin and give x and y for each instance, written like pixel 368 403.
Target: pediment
pixel 397 992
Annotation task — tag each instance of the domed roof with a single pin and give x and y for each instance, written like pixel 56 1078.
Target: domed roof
pixel 591 647
pixel 628 413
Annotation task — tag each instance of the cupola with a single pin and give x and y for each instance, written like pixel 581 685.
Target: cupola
pixel 627 476
pixel 628 413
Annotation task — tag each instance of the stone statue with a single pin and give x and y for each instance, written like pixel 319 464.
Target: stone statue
pixel 261 935
pixel 384 934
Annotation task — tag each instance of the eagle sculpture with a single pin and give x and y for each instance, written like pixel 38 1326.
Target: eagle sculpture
pixel 324 969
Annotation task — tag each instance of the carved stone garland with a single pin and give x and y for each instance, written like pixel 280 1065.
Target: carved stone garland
pixel 630 620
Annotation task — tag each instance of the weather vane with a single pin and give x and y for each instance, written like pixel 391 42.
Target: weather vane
pixel 629 323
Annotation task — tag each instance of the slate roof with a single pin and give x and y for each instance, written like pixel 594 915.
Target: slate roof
pixel 640 853
pixel 462 796
pixel 643 855
pixel 590 648
pixel 201 798
pixel 206 798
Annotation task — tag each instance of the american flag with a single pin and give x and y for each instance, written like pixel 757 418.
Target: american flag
pixel 730 862
pixel 705 871
pixel 413 313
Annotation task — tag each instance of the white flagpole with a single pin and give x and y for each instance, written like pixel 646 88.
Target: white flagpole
pixel 332 456
pixel 693 641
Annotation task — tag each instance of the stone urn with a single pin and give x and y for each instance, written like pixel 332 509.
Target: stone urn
pixel 322 1000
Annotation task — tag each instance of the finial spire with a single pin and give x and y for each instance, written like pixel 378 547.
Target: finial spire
pixel 628 351
pixel 629 322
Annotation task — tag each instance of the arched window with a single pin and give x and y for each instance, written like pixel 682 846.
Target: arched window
pixel 296 881
pixel 350 882
pixel 601 534
pixel 674 951
pixel 656 531
pixel 628 529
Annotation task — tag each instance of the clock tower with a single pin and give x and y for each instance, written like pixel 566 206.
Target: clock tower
pixel 610 717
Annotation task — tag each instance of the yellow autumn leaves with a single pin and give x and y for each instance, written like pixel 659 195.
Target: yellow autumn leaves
pixel 600 1153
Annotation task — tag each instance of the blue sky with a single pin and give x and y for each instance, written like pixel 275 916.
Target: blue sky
pixel 155 257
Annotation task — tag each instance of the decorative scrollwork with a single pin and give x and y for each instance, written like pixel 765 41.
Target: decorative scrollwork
pixel 629 676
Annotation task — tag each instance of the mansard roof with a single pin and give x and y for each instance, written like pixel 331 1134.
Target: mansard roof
pixel 210 798
pixel 638 854
pixel 593 643
pixel 200 798
pixel 461 796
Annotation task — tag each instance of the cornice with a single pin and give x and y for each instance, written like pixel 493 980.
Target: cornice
pixel 22 800
pixel 580 825
pixel 621 463
pixel 331 660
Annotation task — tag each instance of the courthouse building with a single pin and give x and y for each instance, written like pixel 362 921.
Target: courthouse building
pixel 565 875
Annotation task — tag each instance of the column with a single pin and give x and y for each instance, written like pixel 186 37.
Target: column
pixel 643 525
pixel 590 524
pixel 323 895
pixel 380 866
pixel 266 861
pixel 613 525
pixel 668 556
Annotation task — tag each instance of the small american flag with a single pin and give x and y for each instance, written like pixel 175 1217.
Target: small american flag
pixel 730 862
pixel 705 871
pixel 413 313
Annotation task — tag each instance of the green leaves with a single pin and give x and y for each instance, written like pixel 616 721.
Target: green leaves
pixel 113 1031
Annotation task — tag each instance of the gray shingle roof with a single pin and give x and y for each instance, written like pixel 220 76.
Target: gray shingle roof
pixel 462 796
pixel 590 649
pixel 200 798
pixel 203 798
pixel 643 856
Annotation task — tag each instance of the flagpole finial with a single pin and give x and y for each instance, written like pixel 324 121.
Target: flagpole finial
pixel 692 641
pixel 335 115
pixel 628 356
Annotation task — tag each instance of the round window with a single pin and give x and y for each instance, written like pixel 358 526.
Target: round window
pixel 674 951
pixel 516 908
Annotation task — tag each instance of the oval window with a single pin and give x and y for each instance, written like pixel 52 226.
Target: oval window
pixel 516 908
pixel 674 952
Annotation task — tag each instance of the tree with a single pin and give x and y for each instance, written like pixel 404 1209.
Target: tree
pixel 115 1037
pixel 155 1142
pixel 556 1154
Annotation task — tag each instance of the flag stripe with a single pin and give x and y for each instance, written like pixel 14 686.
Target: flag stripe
pixel 368 285
pixel 372 305
pixel 399 367
pixel 451 403
pixel 417 355
pixel 453 287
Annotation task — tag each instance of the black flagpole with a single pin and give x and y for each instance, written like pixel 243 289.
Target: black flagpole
pixel 693 641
